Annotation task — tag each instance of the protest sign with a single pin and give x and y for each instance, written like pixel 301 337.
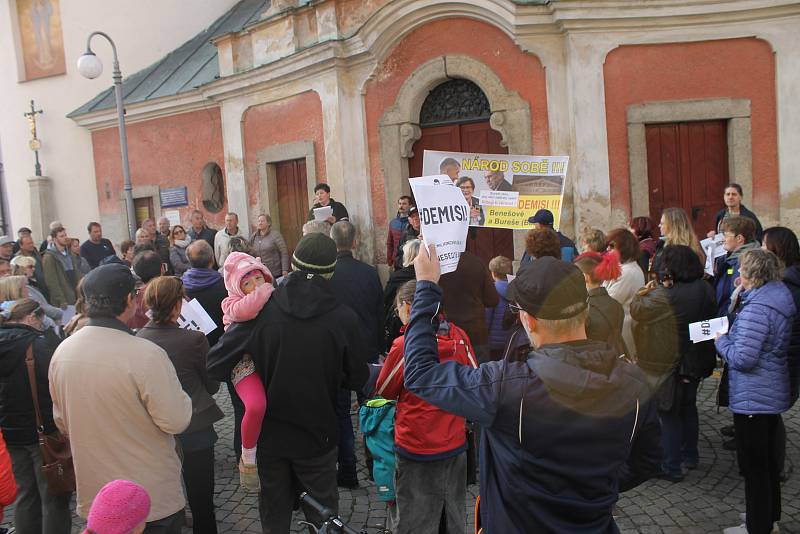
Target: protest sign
pixel 705 330
pixel 444 219
pixel 712 246
pixel 194 317
pixel 538 182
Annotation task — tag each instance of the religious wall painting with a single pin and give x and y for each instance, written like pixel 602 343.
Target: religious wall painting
pixel 41 38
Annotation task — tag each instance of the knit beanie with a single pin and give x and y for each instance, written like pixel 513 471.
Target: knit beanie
pixel 315 254
pixel 119 507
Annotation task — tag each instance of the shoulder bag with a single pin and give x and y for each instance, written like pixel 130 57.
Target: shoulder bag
pixel 56 453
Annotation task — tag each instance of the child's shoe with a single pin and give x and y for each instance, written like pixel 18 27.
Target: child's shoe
pixel 248 477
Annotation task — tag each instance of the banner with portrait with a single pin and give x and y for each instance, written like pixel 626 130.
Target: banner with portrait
pixel 503 191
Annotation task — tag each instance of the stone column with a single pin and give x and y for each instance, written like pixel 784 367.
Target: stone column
pixel 42 205
pixel 233 144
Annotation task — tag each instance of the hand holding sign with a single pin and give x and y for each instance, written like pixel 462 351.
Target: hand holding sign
pixel 426 264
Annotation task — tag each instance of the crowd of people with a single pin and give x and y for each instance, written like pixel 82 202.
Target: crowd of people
pixel 555 389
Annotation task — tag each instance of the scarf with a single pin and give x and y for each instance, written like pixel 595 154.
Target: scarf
pixel 197 279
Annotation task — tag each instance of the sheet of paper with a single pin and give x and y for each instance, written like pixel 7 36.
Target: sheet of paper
pixel 506 199
pixel 67 314
pixel 322 214
pixel 444 220
pixel 705 330
pixel 712 246
pixel 194 317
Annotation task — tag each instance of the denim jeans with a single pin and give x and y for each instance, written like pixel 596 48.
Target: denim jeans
pixel 37 511
pixel 680 428
pixel 346 471
pixel 428 492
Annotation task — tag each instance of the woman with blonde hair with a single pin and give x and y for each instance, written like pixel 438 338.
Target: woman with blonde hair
pixel 13 288
pixel 676 229
pixel 26 266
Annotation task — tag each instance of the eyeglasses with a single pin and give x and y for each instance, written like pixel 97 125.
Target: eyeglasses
pixel 514 308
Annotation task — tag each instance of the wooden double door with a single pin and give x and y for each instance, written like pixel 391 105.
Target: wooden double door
pixel 476 137
pixel 687 167
pixel 293 200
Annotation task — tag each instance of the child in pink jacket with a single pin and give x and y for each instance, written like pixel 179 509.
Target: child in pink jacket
pixel 249 285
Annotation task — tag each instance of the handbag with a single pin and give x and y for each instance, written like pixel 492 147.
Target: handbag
pixel 56 453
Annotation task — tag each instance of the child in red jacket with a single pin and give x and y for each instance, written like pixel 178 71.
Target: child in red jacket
pixel 8 487
pixel 430 444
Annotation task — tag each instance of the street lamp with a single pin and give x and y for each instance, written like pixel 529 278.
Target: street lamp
pixel 90 66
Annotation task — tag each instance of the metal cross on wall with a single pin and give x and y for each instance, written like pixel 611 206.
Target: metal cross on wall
pixel 34 143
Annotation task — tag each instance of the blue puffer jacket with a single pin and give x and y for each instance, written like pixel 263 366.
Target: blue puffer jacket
pixel 791 277
pixel 498 336
pixel 756 351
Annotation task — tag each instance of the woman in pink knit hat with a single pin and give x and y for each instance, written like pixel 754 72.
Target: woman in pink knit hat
pixel 120 507
pixel 249 285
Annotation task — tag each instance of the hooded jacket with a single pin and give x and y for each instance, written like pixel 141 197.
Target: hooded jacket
pixel 791 277
pixel 17 415
pixel 755 350
pixel 605 318
pixel 207 286
pixel 422 431
pixel 237 306
pixel 305 346
pixel 558 428
pixel 397 227
pixel 59 285
pixel 726 271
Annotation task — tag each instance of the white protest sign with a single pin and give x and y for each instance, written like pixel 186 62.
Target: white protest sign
pixel 174 217
pixel 705 330
pixel 322 214
pixel 434 179
pixel 507 199
pixel 444 219
pixel 712 246
pixel 194 317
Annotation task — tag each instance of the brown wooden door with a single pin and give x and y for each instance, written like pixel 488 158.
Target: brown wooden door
pixel 475 137
pixel 292 200
pixel 687 167
pixel 143 207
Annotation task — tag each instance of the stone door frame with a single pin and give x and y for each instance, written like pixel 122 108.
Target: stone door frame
pixel 266 160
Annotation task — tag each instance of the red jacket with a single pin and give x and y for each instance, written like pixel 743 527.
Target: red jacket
pixel 8 488
pixel 420 428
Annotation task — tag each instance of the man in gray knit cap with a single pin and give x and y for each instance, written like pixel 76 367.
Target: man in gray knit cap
pixel 306 345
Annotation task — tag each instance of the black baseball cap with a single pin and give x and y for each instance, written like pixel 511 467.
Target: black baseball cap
pixel 542 217
pixel 413 211
pixel 111 282
pixel 549 289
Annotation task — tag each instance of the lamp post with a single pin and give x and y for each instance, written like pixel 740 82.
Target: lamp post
pixel 90 66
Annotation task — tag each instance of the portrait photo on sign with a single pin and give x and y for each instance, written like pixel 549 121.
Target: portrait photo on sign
pixel 502 191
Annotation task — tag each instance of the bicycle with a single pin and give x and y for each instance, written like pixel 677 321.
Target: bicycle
pixel 332 523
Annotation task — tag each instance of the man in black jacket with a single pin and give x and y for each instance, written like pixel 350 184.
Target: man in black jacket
pixel 306 345
pixel 357 285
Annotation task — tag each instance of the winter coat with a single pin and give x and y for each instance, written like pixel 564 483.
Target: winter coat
pixel 272 250
pixel 791 277
pixel 55 314
pixel 376 420
pixel 222 244
pixel 559 430
pixel 498 336
pixel 726 271
pixel 409 234
pixel 339 211
pixel 306 347
pixel 208 287
pixel 188 352
pixel 743 212
pixel 392 322
pixel 423 432
pixel 357 285
pixel 206 234
pixel 623 289
pixel 605 318
pixel 467 292
pixel 397 227
pixel 238 307
pixel 755 350
pixel 17 415
pixel 59 284
pixel 178 259
pixel 647 249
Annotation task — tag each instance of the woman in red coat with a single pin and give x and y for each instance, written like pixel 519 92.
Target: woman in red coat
pixel 430 444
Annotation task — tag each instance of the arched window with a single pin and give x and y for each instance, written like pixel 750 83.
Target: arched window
pixel 454 101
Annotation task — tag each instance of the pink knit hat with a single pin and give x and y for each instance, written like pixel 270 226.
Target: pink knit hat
pixel 119 507
pixel 237 265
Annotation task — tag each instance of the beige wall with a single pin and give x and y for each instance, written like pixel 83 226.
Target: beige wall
pixel 144 31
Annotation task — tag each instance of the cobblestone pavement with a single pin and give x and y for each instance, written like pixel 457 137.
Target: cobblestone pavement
pixel 709 499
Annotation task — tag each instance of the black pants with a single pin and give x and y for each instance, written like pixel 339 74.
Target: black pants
pixel 198 476
pixel 171 524
pixel 282 481
pixel 756 438
pixel 346 472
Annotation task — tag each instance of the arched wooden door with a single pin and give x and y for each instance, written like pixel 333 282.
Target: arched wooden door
pixel 455 117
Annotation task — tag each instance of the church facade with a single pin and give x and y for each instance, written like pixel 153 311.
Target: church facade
pixel 658 103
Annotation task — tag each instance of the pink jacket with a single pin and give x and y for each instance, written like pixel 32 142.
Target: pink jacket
pixel 238 307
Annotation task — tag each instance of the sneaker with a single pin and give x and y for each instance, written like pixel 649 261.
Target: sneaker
pixel 743 516
pixel 728 431
pixel 729 445
pixel 248 477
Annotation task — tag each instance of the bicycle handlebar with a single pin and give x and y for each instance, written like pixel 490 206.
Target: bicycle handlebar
pixel 326 513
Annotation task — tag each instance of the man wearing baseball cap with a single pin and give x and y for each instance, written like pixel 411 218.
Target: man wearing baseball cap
pixel 564 431
pixel 545 218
